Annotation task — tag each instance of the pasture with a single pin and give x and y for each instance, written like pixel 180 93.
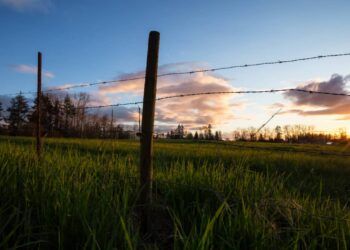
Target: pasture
pixel 207 195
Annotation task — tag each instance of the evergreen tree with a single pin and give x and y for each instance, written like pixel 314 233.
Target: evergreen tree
pixel 195 136
pixel 48 116
pixel 210 134
pixel 18 111
pixel 46 111
pixel 189 136
pixel 57 115
pixel 218 136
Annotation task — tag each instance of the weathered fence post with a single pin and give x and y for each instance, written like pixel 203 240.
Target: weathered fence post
pixel 38 107
pixel 146 147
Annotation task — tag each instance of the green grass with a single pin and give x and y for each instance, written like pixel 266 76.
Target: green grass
pixel 206 195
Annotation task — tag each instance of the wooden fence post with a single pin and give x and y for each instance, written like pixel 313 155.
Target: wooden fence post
pixel 146 146
pixel 38 107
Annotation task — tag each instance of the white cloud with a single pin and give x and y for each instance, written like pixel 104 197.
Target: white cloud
pixel 43 6
pixel 28 69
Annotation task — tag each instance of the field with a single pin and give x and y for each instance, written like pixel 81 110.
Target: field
pixel 207 195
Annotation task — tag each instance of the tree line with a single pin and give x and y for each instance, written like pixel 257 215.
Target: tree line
pixel 289 133
pixel 67 116
pixel 205 133
pixel 61 116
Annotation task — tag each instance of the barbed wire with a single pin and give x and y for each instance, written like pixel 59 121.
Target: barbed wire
pixel 265 123
pixel 83 85
pixel 225 92
pixel 257 64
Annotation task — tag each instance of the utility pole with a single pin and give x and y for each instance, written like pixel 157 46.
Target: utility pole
pixel 38 107
pixel 146 146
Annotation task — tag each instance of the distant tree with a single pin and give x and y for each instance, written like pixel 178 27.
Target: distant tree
pixel 252 133
pixel 261 137
pixel 287 133
pixel 46 110
pixel 69 111
pixel 201 136
pixel 189 136
pixel 120 132
pixel 342 134
pixel 210 132
pixel 195 136
pixel 218 136
pixel 236 135
pixel 178 133
pixel 18 111
pixel 81 100
pixel 278 131
pixel 57 115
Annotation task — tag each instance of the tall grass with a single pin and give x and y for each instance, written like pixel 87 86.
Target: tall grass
pixel 82 194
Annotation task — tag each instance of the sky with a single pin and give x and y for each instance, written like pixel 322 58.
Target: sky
pixel 90 40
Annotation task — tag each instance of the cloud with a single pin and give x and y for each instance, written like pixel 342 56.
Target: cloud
pixel 276 105
pixel 191 111
pixel 43 6
pixel 28 69
pixel 322 104
pixel 121 114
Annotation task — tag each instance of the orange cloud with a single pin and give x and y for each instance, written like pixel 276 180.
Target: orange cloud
pixel 191 111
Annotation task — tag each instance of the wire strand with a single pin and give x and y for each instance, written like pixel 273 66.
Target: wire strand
pixel 226 92
pixel 83 85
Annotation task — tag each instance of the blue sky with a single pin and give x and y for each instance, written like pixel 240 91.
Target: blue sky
pixel 99 40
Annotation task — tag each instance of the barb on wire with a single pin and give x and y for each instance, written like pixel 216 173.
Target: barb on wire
pixel 113 105
pixel 226 92
pixel 82 85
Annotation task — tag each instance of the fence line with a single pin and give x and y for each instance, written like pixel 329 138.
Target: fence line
pixel 83 85
pixel 223 92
